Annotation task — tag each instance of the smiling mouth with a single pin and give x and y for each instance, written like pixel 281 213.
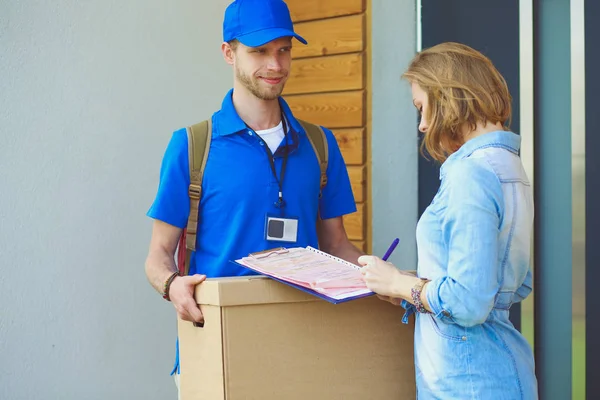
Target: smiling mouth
pixel 272 81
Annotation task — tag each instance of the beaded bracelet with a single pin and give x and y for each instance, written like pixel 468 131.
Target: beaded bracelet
pixel 415 293
pixel 167 286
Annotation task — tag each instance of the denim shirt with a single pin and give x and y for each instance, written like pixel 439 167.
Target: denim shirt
pixel 474 244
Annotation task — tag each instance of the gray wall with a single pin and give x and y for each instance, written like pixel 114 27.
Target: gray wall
pixel 89 94
pixel 394 131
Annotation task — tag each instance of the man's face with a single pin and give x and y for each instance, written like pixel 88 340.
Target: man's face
pixel 263 70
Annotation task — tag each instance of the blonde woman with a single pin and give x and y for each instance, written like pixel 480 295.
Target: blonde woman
pixel 474 238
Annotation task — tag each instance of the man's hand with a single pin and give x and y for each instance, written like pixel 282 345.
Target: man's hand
pixel 160 264
pixel 181 294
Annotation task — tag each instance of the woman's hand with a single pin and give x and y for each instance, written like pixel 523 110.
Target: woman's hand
pixel 393 300
pixel 384 278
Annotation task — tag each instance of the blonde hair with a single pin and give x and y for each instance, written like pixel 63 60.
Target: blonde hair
pixel 463 89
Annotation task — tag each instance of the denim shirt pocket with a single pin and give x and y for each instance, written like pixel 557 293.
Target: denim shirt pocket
pixel 452 332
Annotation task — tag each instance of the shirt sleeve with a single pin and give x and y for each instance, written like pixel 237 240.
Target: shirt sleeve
pixel 471 228
pixel 171 204
pixel 337 199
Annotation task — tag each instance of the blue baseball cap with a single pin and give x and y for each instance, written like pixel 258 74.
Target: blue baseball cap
pixel 256 22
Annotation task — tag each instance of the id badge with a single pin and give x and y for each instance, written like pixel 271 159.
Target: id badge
pixel 279 229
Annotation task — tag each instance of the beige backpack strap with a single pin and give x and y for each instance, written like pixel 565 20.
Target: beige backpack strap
pixel 318 140
pixel 199 136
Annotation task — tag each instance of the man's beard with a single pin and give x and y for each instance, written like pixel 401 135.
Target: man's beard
pixel 253 85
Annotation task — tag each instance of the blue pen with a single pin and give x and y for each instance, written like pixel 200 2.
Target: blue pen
pixel 389 251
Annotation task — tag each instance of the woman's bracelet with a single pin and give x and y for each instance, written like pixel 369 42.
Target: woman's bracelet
pixel 415 293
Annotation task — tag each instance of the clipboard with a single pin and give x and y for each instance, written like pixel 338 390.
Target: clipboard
pixel 311 271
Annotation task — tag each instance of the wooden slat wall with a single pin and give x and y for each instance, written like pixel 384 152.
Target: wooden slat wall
pixel 304 10
pixel 331 36
pixel 333 110
pixel 326 74
pixel 328 86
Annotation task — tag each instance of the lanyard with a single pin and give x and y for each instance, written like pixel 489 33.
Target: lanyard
pixel 280 203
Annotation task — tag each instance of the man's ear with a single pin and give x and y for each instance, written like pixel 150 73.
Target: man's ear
pixel 228 53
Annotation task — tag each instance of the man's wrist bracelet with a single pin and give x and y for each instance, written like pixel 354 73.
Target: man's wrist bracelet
pixel 167 286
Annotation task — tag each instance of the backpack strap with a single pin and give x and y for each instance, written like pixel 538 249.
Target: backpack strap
pixel 318 140
pixel 199 136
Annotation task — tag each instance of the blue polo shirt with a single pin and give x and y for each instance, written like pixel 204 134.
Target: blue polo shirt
pixel 239 190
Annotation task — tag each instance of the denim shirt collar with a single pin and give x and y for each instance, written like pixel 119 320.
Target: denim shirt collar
pixel 227 121
pixel 504 139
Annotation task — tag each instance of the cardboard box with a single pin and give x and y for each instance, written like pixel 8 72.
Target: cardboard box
pixel 267 341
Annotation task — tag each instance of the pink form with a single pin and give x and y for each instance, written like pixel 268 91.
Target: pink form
pixel 310 268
